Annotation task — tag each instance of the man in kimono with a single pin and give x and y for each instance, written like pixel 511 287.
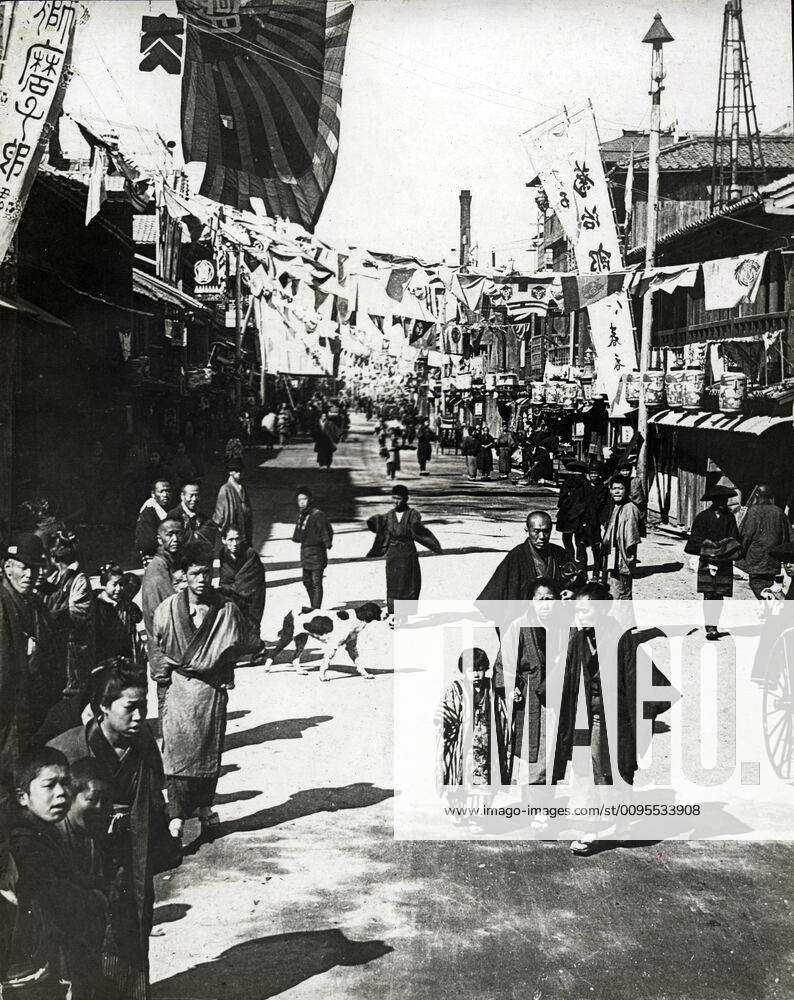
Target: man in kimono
pixel 621 538
pixel 536 556
pixel 32 678
pixel 233 508
pixel 242 579
pixel 764 528
pixel 150 517
pixel 714 538
pixel 199 637
pixel 195 524
pixel 396 534
pixel 315 534
pixel 158 583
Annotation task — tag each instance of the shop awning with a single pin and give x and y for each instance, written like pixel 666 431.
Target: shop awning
pixel 34 312
pixel 705 420
pixel 161 291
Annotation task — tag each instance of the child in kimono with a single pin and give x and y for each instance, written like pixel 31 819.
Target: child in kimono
pixel 117 618
pixel 70 916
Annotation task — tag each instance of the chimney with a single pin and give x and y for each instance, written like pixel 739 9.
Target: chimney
pixel 465 227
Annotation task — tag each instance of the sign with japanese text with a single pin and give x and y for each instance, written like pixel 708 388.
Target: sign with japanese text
pixel 210 272
pixel 31 95
pixel 566 155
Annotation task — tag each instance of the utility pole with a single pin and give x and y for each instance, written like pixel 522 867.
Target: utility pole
pixel 238 327
pixel 465 227
pixel 656 36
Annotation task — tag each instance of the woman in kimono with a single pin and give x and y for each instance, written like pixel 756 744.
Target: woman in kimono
pixel 392 446
pixel 464 720
pixel 117 618
pixel 118 739
pixel 70 600
pixel 714 538
pixel 485 457
pixel 396 534
pixel 505 444
pixel 242 580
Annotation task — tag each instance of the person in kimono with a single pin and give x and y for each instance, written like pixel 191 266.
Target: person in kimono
pixel 199 635
pixel 195 524
pixel 117 738
pixel 514 577
pixel 32 675
pixel 117 618
pixel 314 533
pixel 505 445
pixel 714 538
pixel 485 456
pixel 150 517
pixel 70 601
pixel 325 436
pixel 465 725
pixel 392 446
pixel 470 448
pixel 233 508
pixel 158 583
pixel 572 510
pixel 242 579
pixel 424 449
pixel 621 538
pixel 396 534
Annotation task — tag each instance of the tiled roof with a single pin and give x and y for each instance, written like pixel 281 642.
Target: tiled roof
pixel 144 229
pixel 698 153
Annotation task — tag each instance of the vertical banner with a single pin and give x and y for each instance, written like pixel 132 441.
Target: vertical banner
pixel 565 154
pixel 31 96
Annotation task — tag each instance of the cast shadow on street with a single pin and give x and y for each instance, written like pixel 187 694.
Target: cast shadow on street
pixel 669 567
pixel 169 913
pixel 283 729
pixel 269 966
pixel 308 802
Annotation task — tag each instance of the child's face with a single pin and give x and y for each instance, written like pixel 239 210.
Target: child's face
pixel 91 808
pixel 48 796
pixel 114 587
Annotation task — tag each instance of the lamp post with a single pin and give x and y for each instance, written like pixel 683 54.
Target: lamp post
pixel 656 36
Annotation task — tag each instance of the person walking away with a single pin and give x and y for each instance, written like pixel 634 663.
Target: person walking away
pixel 242 579
pixel 70 600
pixel 393 444
pixel 485 456
pixel 324 441
pixel 200 636
pixel 505 445
pixel 32 676
pixel 424 449
pixel 157 584
pixel 765 527
pixel 151 515
pixel 470 449
pixel 233 508
pixel 314 533
pixel 714 538
pixel 514 578
pixel 572 509
pixel 117 618
pixel 396 535
pixel 117 738
pixel 195 524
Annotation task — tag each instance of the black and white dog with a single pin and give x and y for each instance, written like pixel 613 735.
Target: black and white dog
pixel 334 629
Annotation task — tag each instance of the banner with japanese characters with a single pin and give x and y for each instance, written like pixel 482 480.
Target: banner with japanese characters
pixel 566 155
pixel 31 95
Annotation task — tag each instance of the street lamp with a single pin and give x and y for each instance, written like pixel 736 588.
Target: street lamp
pixel 656 36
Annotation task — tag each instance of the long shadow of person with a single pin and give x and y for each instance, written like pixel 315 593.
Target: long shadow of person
pixel 282 729
pixel 268 966
pixel 306 802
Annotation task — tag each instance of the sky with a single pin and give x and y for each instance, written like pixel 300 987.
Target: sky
pixel 437 93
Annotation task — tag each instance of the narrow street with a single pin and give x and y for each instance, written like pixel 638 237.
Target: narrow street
pixel 305 894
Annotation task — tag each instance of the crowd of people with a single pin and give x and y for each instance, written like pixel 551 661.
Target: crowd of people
pixel 92 806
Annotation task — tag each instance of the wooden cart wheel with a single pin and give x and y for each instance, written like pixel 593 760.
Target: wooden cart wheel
pixel 778 710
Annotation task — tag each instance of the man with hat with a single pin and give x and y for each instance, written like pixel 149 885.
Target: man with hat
pixel 715 539
pixel 572 511
pixel 621 538
pixel 31 677
pixel 765 527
